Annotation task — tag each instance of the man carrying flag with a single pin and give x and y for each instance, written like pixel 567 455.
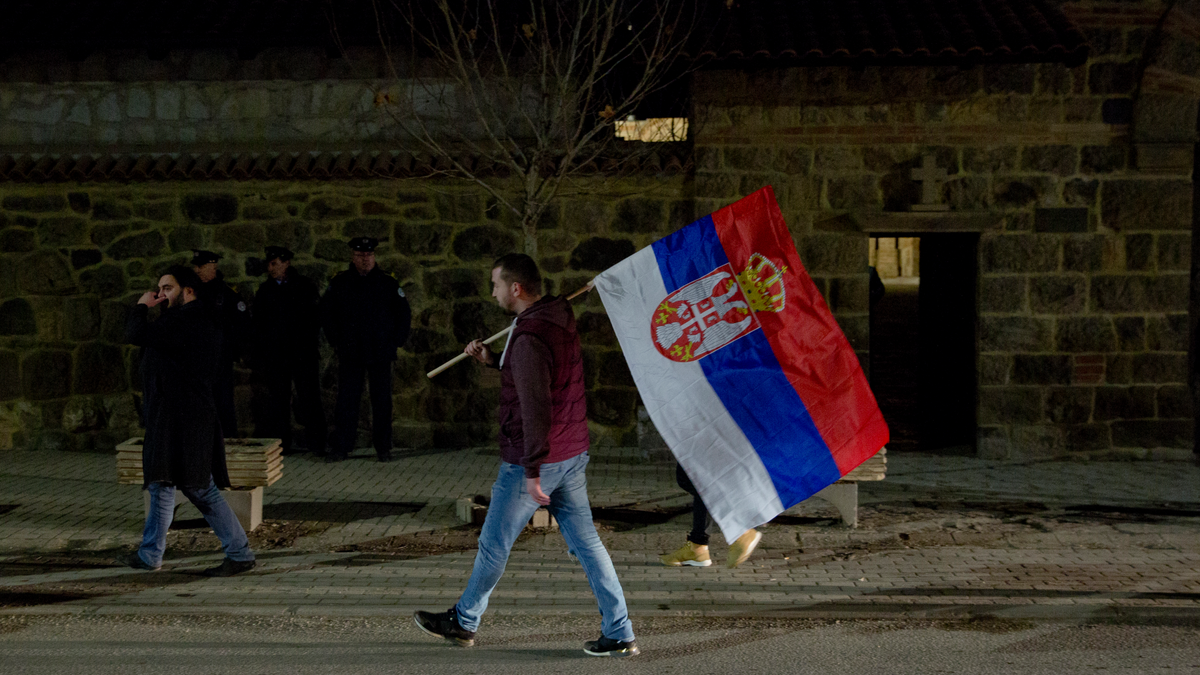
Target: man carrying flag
pixel 741 365
pixel 543 452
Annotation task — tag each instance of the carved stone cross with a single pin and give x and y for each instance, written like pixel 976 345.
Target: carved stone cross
pixel 931 178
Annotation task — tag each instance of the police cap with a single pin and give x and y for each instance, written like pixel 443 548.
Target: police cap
pixel 204 257
pixel 363 244
pixel 280 252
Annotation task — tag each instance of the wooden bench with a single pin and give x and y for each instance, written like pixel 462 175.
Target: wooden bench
pixel 843 495
pixel 253 463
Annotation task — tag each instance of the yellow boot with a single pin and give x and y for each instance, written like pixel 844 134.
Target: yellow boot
pixel 691 554
pixel 742 547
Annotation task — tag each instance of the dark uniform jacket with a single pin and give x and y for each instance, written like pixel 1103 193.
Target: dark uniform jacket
pixel 365 317
pixel 179 360
pixel 543 407
pixel 229 314
pixel 286 320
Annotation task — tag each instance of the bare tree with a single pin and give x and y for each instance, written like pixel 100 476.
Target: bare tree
pixel 522 95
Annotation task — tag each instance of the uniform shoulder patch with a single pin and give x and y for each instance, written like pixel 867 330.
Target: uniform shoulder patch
pixel 241 305
pixel 400 291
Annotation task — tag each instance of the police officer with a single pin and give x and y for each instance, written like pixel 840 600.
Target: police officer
pixel 286 328
pixel 228 311
pixel 366 318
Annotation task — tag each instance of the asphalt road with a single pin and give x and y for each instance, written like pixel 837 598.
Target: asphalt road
pixel 522 645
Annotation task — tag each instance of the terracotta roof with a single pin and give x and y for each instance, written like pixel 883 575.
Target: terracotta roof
pixel 282 166
pixel 813 32
pixel 804 31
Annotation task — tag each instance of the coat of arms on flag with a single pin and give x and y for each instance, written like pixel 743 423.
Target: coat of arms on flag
pixel 740 363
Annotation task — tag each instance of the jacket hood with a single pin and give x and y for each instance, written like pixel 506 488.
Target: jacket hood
pixel 552 308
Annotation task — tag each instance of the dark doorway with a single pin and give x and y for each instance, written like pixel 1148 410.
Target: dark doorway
pixel 923 348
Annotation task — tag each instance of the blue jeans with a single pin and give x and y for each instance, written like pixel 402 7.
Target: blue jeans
pixel 507 515
pixel 210 504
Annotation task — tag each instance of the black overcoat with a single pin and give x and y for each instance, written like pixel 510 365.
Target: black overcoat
pixel 366 317
pixel 183 443
pixel 286 321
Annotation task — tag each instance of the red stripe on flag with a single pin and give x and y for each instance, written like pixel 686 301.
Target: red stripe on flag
pixel 810 346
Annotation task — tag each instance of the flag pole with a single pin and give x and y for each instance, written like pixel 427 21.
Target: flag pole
pixel 497 336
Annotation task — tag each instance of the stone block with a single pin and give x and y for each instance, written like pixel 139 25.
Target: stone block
pixel 1139 293
pixel 587 216
pixel 994 369
pixel 1085 334
pixel 1118 369
pixel 599 253
pixel 971 193
pixel 614 371
pixel 1041 369
pixel 10 375
pixel 63 231
pixel 1152 434
pixel 1022 191
pixel 335 250
pixel 81 317
pixel 1168 333
pixel 241 237
pixel 1101 159
pixel 1131 333
pixel 81 258
pixel 1010 79
pixel 79 202
pixel 1174 252
pixel 992 442
pixel 1139 252
pixel 292 234
pixel 17 240
pixel 330 207
pixel 1058 294
pixel 46 374
pixel 210 209
pixel 834 254
pixel 458 208
pixel 17 318
pixel 1160 368
pixel 595 329
pixel 837 158
pixel 1072 219
pixel 1021 253
pixel 989 160
pixel 1174 402
pixel 484 243
pixel 857 328
pixel 110 209
pixel 475 319
pixel 1167 116
pixel 1069 405
pixel 99 369
pixel 142 245
pixel 1036 442
pixel 1010 405
pixel 1086 437
pixel 45 272
pixel 105 281
pixel 1128 205
pixel 112 320
pixel 1014 333
pixel 1003 294
pixel 377 228
pixel 613 406
pixel 721 186
pixel 1083 253
pixel 35 203
pixel 454 283
pixel 640 216
pixel 850 294
pixel 421 238
pixel 104 234
pixel 854 192
pixel 1062 160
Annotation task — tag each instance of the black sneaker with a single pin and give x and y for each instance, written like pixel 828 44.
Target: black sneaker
pixel 607 647
pixel 228 568
pixel 444 625
pixel 135 561
pixel 334 457
pixel 386 457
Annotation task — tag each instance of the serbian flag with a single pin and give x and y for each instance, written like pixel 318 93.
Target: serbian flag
pixel 740 363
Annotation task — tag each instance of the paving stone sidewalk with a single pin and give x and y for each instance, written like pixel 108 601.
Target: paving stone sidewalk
pixel 942 536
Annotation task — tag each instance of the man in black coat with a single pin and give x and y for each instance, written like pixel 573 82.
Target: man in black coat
pixel 183 447
pixel 366 318
pixel 286 328
pixel 229 313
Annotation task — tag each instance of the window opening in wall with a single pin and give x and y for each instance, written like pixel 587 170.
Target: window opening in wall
pixel 923 343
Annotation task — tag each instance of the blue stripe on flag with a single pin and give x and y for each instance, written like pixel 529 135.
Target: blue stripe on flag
pixel 748 379
pixel 750 383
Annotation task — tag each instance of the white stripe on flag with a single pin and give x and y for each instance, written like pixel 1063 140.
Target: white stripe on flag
pixel 728 473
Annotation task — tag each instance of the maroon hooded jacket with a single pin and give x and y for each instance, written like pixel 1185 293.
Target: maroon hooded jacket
pixel 543 409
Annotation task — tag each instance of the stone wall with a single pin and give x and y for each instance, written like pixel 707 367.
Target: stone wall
pixel 75 257
pixel 1083 288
